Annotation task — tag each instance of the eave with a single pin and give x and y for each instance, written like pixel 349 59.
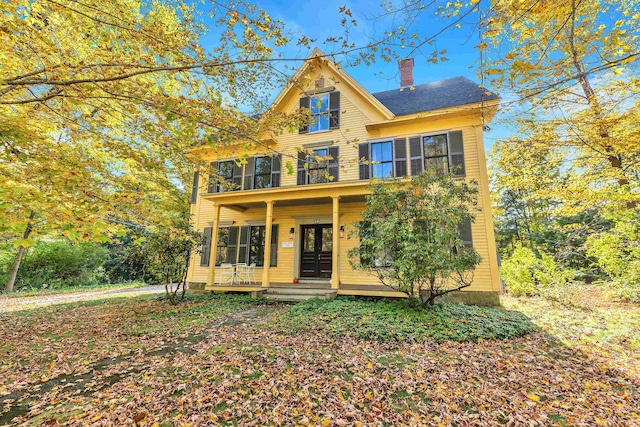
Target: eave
pixel 489 106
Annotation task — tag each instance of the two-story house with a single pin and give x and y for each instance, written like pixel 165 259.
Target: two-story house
pixel 294 227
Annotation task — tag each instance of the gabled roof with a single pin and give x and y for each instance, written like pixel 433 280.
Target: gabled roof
pixel 447 93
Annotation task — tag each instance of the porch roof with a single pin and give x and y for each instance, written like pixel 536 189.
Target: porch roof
pixel 295 195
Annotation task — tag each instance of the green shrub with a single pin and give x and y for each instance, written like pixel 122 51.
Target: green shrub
pixel 526 274
pixel 618 253
pixel 59 264
pixel 402 320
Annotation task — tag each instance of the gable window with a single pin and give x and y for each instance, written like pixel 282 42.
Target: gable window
pixel 437 154
pixel 318 165
pixel 325 112
pixel 383 159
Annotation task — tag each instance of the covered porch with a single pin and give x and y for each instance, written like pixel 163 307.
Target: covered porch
pixel 308 221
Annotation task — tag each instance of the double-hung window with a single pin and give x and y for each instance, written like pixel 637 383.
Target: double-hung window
pixel 382 159
pixel 252 244
pixel 224 176
pixel 324 112
pixel 262 174
pixel 318 165
pixel 437 154
pixel 317 171
pixel 223 244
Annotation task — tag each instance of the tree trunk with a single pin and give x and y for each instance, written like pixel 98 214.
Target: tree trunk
pixel 614 158
pixel 16 264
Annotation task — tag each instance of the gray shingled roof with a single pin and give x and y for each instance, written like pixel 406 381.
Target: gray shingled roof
pixel 434 96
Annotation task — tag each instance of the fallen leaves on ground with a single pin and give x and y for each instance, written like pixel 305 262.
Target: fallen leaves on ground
pixel 249 373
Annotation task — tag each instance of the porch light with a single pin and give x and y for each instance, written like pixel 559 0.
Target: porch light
pixel 341 231
pixel 292 232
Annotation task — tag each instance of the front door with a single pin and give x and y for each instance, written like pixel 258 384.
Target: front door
pixel 317 249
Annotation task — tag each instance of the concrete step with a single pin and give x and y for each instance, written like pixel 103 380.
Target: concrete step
pixel 294 295
pixel 310 291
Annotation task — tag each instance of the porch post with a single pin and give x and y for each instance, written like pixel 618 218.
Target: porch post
pixel 335 260
pixel 267 245
pixel 211 277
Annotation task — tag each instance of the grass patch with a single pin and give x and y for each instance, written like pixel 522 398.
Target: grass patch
pixel 397 320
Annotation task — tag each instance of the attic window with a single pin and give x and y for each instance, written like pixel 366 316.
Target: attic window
pixel 324 112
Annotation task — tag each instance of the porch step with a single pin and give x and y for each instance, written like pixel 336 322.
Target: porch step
pixel 284 294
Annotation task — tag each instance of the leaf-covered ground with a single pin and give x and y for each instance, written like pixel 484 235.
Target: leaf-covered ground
pixel 227 361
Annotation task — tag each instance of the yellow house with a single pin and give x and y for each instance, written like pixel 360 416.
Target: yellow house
pixel 256 210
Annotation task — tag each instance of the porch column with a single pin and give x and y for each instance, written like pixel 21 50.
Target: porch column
pixel 267 245
pixel 211 277
pixel 335 260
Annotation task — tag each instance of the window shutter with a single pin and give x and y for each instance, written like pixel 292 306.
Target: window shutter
pixel 333 167
pixel 237 177
pixel 456 153
pixel 302 171
pixel 213 178
pixel 415 151
pixel 232 245
pixel 365 261
pixel 363 156
pixel 334 110
pixel 248 173
pixel 274 245
pixel 243 250
pixel 206 247
pixel 464 232
pixel 276 165
pixel 194 188
pixel 400 151
pixel 304 103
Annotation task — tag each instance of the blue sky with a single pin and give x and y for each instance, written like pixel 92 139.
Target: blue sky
pixel 321 19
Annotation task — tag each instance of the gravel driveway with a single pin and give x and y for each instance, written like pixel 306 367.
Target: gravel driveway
pixel 23 303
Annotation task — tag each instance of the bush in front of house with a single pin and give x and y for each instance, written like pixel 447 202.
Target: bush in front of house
pixel 403 320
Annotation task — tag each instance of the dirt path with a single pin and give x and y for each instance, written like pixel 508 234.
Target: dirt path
pixel 24 303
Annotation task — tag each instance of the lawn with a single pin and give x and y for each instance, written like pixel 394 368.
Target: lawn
pixel 232 360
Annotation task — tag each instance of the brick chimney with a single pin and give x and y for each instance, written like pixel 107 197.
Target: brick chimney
pixel 406 72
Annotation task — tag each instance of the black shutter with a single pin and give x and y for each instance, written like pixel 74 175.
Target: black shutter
pixel 274 245
pixel 363 158
pixel 276 165
pixel 415 151
pixel 206 247
pixel 248 173
pixel 365 261
pixel 237 177
pixel 456 153
pixel 333 166
pixel 232 245
pixel 194 188
pixel 243 249
pixel 400 154
pixel 213 178
pixel 464 232
pixel 304 103
pixel 334 110
pixel 302 170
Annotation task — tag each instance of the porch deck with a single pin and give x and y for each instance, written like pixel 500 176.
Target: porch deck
pixel 309 289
